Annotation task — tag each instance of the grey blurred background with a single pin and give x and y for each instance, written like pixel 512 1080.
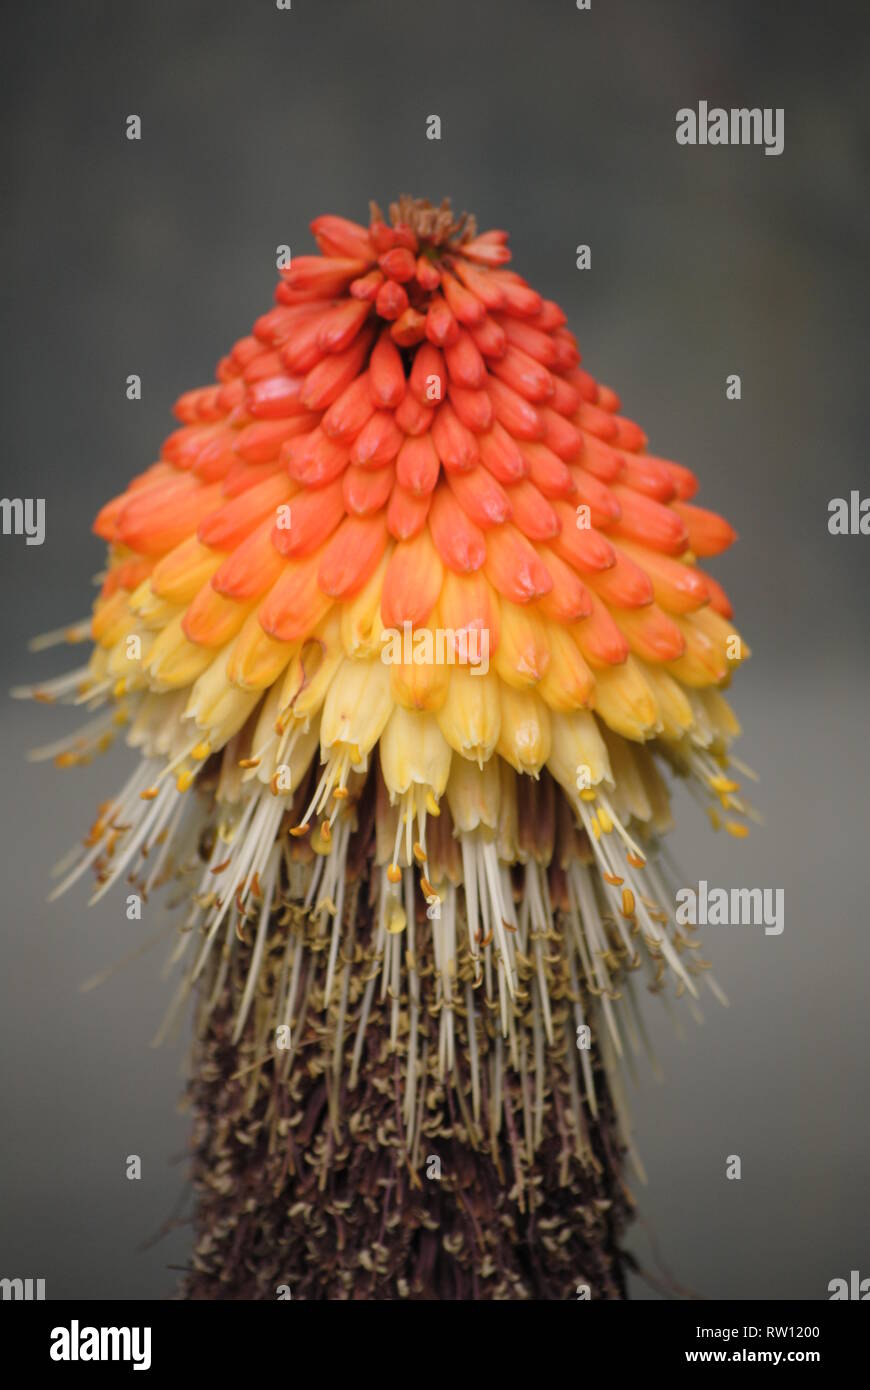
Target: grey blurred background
pixel 153 257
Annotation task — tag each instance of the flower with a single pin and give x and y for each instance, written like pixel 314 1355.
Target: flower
pixel 406 623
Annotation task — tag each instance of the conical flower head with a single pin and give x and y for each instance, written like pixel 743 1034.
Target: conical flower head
pixel 409 601
pixel 405 469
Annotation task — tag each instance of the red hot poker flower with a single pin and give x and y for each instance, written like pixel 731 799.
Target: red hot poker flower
pixel 410 605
